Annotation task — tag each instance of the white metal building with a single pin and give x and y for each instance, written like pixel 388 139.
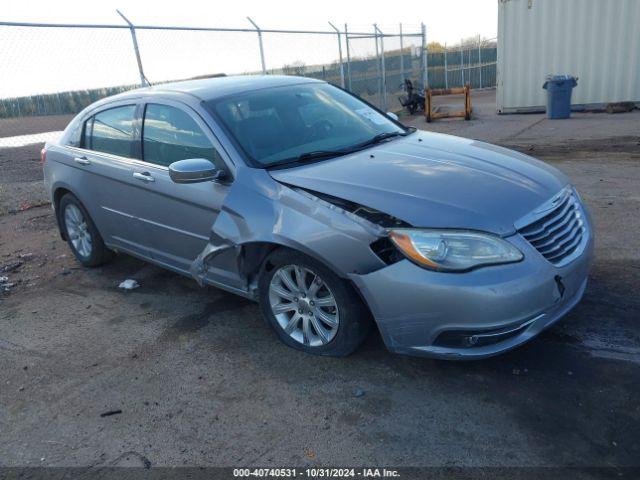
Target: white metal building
pixel 596 40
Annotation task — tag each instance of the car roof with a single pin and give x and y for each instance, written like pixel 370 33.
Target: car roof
pixel 217 87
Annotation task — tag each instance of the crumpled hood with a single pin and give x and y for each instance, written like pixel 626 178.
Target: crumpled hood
pixel 435 180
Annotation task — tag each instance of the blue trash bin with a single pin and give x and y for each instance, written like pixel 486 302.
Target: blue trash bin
pixel 559 88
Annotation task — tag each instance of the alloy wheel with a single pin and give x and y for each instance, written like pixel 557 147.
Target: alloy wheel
pixel 78 230
pixel 303 305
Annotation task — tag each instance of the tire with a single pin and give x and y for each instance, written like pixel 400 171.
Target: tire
pixel 311 333
pixel 74 219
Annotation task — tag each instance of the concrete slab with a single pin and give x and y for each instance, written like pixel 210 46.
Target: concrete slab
pixel 487 125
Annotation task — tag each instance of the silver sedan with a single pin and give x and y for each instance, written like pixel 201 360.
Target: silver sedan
pixel 331 214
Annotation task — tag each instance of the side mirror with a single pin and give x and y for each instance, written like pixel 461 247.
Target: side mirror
pixel 392 116
pixel 194 170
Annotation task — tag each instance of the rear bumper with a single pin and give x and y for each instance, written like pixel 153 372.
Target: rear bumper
pixel 418 311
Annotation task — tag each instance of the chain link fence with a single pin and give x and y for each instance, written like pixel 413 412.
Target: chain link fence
pixel 470 62
pixel 51 71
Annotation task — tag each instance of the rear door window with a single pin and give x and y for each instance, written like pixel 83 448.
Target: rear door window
pixel 170 134
pixel 111 131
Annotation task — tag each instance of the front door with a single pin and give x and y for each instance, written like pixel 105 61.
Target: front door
pixel 178 217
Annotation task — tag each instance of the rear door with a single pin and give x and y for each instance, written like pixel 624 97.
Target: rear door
pixel 106 185
pixel 178 217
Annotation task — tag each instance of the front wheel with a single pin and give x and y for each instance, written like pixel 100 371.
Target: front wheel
pixel 309 307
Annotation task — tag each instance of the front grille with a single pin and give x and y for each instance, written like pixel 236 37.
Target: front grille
pixel 559 231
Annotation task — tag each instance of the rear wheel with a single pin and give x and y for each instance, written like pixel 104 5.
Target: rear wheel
pixel 309 307
pixel 81 233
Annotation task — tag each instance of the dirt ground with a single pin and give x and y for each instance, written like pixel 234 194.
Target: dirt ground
pixel 200 380
pixel 10 127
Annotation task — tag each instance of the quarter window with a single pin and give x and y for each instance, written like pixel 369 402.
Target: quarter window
pixel 76 135
pixel 111 131
pixel 170 134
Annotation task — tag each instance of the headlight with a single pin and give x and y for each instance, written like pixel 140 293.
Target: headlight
pixel 453 250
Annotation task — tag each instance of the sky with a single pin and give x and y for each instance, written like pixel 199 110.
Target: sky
pixel 91 58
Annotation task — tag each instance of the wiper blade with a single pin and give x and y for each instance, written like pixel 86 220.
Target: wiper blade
pixel 317 154
pixel 323 154
pixel 381 137
pixel 307 157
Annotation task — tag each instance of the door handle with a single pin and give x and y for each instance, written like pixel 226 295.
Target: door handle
pixel 82 160
pixel 144 176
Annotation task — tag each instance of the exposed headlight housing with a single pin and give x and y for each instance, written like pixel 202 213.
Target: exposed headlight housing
pixel 453 250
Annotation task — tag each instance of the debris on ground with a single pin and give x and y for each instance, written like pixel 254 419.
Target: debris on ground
pixel 110 412
pixel 129 284
pixel 10 267
pixel 28 206
pixel 620 107
pixel 5 285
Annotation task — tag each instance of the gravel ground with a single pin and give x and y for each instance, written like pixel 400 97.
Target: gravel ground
pixel 200 380
pixel 21 178
pixel 20 171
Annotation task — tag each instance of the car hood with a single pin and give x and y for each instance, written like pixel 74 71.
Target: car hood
pixel 435 180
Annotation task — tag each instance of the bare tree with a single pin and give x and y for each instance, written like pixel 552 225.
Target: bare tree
pixel 296 68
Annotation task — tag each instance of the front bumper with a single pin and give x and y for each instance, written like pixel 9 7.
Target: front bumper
pixel 503 306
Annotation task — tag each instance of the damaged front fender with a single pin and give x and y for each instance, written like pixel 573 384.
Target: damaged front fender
pixel 198 268
pixel 258 209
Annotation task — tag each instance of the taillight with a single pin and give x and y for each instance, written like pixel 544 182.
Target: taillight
pixel 43 155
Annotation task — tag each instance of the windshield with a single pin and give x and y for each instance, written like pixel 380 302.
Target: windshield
pixel 279 125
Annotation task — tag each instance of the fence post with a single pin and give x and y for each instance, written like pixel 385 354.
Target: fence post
pixel 462 62
pixel 479 61
pixel 383 71
pixel 470 69
pixel 375 34
pixel 346 39
pixel 446 73
pixel 264 67
pixel 425 66
pixel 401 57
pixel 132 29
pixel 339 53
